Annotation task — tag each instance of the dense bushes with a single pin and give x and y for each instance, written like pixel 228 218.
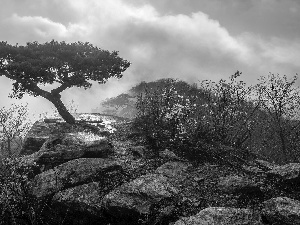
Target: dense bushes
pixel 191 120
pixel 166 114
pixel 17 205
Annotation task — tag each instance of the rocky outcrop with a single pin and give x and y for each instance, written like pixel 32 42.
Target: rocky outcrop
pixel 73 173
pixel 222 216
pixel 86 180
pixel 281 210
pixel 45 128
pixel 57 150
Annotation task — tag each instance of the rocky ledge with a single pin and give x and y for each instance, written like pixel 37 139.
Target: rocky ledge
pixel 89 176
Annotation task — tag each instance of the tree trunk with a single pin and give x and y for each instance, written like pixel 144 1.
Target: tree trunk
pixel 61 108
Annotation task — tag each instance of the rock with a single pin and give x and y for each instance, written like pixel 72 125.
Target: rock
pixel 222 216
pixel 253 169
pixel 35 138
pixel 264 164
pixel 169 155
pixel 41 130
pixel 238 184
pixel 135 199
pixel 289 172
pixel 57 150
pixel 138 151
pixel 73 173
pixel 85 199
pixel 281 210
pixel 174 169
pixel 53 120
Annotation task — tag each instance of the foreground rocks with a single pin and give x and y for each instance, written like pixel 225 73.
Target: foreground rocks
pixel 222 216
pixel 239 184
pixel 288 172
pixel 134 200
pixel 281 210
pixel 73 173
pixel 88 178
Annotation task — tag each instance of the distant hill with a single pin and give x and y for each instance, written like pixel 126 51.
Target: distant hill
pixel 123 105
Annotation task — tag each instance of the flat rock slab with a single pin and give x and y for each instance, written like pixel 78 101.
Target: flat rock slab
pixel 135 198
pixel 73 173
pixel 222 216
pixel 57 150
pixel 84 198
pixel 282 210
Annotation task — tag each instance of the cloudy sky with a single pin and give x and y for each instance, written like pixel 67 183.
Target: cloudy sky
pixel 186 39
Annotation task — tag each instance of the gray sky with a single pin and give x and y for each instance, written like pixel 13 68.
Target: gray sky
pixel 186 39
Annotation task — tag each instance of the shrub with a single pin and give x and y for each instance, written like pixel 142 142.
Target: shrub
pixel 165 116
pixel 227 114
pixel 17 205
pixel 192 120
pixel 14 125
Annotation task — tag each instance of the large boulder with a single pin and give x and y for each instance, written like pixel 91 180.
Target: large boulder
pixel 138 198
pixel 62 148
pixel 73 173
pixel 281 210
pixel 41 130
pixel 83 198
pixel 134 199
pixel 222 216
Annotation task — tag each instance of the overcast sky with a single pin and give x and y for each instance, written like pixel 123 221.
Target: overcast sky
pixel 186 39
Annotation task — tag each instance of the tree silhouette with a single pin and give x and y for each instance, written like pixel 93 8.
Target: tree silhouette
pixel 68 64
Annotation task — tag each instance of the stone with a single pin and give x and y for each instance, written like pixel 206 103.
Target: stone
pixel 238 184
pixel 41 130
pixel 169 155
pixel 135 199
pixel 281 210
pixel 84 198
pixel 35 138
pixel 73 173
pixel 287 172
pixel 174 169
pixel 57 150
pixel 222 216
pixel 138 151
pixel 265 164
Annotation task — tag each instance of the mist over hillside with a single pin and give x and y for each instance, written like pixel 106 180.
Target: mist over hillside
pixel 124 105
